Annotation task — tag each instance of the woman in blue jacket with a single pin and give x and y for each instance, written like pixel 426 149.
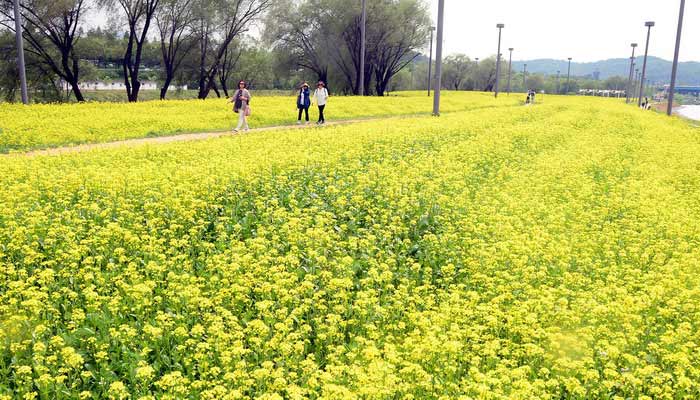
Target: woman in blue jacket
pixel 304 101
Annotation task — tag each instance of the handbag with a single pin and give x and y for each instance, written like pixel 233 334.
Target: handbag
pixel 247 111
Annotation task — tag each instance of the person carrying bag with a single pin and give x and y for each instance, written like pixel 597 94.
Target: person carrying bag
pixel 241 106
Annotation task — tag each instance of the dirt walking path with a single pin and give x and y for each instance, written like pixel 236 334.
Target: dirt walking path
pixel 54 151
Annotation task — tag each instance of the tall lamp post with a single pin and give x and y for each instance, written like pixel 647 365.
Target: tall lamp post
pixel 525 77
pixel 674 71
pixel 649 25
pixel 558 88
pixel 568 77
pixel 363 37
pixel 430 61
pixel 498 59
pixel 20 53
pixel 510 68
pixel 438 58
pixel 629 80
pixel 636 82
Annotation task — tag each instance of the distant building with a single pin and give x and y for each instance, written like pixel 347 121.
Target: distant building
pixel 145 85
pixel 602 93
pixel 684 90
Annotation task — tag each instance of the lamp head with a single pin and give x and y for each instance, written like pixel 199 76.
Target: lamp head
pixel 569 58
pixel 432 28
pixel 634 44
pixel 499 26
pixel 649 24
pixel 510 49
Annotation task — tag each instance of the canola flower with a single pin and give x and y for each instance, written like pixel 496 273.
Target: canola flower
pixel 540 252
pixel 51 125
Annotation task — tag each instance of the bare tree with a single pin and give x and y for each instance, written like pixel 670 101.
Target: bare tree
pixel 403 31
pixel 174 21
pixel 139 16
pixel 298 30
pixel 228 64
pixel 51 29
pixel 234 18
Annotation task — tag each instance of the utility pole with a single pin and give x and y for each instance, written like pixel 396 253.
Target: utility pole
pixel 674 71
pixel 363 37
pixel 438 58
pixel 430 61
pixel 510 68
pixel 20 53
pixel 498 59
pixel 629 80
pixel 568 78
pixel 649 25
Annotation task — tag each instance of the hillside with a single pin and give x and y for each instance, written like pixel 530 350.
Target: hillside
pixel 658 70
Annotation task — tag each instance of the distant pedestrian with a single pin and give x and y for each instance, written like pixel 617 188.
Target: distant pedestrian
pixel 241 105
pixel 303 101
pixel 321 97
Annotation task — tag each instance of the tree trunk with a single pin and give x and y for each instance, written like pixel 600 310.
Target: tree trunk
pixel 215 88
pixel 166 84
pixel 76 91
pixel 224 87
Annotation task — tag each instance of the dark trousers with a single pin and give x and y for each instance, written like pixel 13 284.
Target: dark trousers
pixel 305 109
pixel 321 118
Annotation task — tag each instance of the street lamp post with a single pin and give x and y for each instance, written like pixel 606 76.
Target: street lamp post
pixel 674 71
pixel 629 80
pixel 558 88
pixel 636 82
pixel 525 77
pixel 363 37
pixel 498 59
pixel 430 61
pixel 438 58
pixel 510 68
pixel 20 53
pixel 568 77
pixel 649 25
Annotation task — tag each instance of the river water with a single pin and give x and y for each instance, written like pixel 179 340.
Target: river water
pixel 691 112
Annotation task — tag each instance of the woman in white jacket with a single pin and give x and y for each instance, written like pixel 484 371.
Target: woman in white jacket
pixel 321 96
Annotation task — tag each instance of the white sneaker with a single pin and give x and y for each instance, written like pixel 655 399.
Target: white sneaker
pixel 298 122
pixel 234 130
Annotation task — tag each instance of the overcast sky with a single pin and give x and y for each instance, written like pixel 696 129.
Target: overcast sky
pixel 587 30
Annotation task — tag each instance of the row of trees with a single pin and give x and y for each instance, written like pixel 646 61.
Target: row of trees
pixel 53 30
pixel 207 42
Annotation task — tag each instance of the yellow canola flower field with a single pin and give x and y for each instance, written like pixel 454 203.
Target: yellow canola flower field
pixel 546 252
pixel 51 125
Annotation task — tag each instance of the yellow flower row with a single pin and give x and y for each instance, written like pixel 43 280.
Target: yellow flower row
pixel 51 125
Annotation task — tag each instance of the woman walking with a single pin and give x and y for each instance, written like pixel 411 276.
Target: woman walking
pixel 241 105
pixel 303 102
pixel 321 95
